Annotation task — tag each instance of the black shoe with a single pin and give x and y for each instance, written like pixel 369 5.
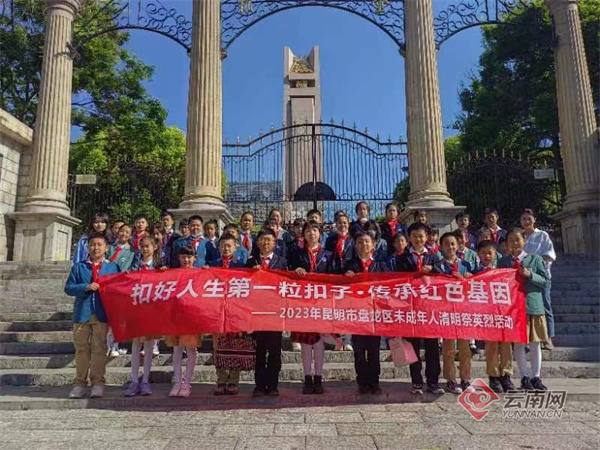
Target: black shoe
pixel 435 388
pixel 527 348
pixel 273 392
pixel 526 384
pixel 364 389
pixel 507 383
pixel 465 384
pixel 318 386
pixel 376 390
pixel 259 392
pixel 537 384
pixel 496 385
pixel 474 350
pixel 308 385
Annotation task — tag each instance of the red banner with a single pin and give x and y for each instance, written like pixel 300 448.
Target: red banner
pixel 489 306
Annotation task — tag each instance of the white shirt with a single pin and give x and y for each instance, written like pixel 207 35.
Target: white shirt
pixel 539 243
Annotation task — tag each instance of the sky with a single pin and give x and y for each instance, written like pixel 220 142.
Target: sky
pixel 362 73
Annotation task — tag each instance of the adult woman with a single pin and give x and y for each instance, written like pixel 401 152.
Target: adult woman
pixel 538 242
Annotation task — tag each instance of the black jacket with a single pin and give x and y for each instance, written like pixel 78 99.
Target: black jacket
pixel 276 263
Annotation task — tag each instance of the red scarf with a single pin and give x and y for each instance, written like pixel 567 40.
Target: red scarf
pixel 116 254
pixel 339 246
pixel 516 263
pixel 392 224
pixel 246 242
pixel 312 256
pixel 434 249
pixel 145 266
pixel 454 267
pixel 419 258
pixel 460 254
pixel 366 264
pixel 465 234
pixel 300 243
pixel 96 271
pixel 226 262
pixel 495 235
pixel 264 265
pixel 138 238
pixel 196 242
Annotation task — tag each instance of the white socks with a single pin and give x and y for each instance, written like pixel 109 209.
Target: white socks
pixel 318 352
pixel 135 360
pixel 147 360
pixel 535 356
pixel 177 358
pixel 190 364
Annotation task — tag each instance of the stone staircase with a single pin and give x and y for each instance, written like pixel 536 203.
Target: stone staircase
pixel 36 345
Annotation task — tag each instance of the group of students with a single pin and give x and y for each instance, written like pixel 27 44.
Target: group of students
pixel 357 246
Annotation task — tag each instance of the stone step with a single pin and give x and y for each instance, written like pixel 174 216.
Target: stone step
pixel 574 328
pixel 58 361
pixel 36 308
pixel 28 348
pixel 33 336
pixel 575 284
pixel 576 301
pixel 578 340
pixel 37 326
pixel 576 309
pixel 35 317
pixel 577 318
pixel 289 372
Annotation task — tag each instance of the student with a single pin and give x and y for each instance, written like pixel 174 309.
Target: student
pixel 240 252
pixel 314 215
pixel 533 270
pixel 416 258
pixel 140 226
pixel 433 239
pixel 380 252
pixel 420 216
pixel 463 252
pixel 121 252
pixel 399 244
pixel 184 228
pixel 211 234
pixel 538 242
pixel 490 218
pixel 195 240
pixel 268 343
pixel 391 227
pixel 150 259
pixel 275 221
pixel 295 247
pixel 366 348
pixel 454 266
pixel 114 230
pixel 97 224
pixel 187 257
pixel 313 259
pixel 362 210
pixel 340 244
pixel 280 244
pixel 159 233
pixel 228 378
pixel 463 221
pixel 498 369
pixel 90 325
pixel 247 239
pixel 171 235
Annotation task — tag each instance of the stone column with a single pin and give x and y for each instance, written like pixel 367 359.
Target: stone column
pixel 204 123
pixel 579 219
pixel 43 225
pixel 424 117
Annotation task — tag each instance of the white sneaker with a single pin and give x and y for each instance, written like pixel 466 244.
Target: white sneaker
pixel 114 352
pixel 155 350
pixel 348 348
pixel 122 351
pixel 175 390
pixel 186 390
pixel 97 391
pixel 77 392
pixel 296 347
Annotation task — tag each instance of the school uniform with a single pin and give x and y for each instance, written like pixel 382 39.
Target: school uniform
pixel 136 239
pixel 469 238
pixel 498 236
pixel 268 343
pixel 247 240
pixel 381 251
pixel 198 243
pixel 356 226
pixel 212 250
pixel 90 325
pixel 285 236
pixel 449 352
pixel 122 255
pixel 81 250
pixel 389 230
pixel 469 256
pixel 293 251
pixel 169 240
pixel 407 262
pixel 342 250
pixel 366 348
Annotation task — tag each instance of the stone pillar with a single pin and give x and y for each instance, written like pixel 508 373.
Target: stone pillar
pixel 204 123
pixel 580 218
pixel 426 159
pixel 44 223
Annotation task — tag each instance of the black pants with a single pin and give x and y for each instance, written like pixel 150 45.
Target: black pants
pixel 432 361
pixel 366 359
pixel 268 359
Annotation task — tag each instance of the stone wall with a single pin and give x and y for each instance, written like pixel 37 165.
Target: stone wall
pixel 15 159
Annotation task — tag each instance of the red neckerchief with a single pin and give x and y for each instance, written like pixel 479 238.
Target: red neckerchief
pixel 460 254
pixel 96 271
pixel 339 246
pixel 264 265
pixel 454 267
pixel 465 234
pixel 145 266
pixel 495 235
pixel 300 243
pixel 312 256
pixel 516 262
pixel 434 249
pixel 196 242
pixel 366 264
pixel 138 238
pixel 116 254
pixel 246 242
pixel 226 262
pixel 399 251
pixel 419 257
pixel 392 224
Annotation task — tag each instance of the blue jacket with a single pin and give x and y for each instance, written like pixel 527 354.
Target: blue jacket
pixel 81 251
pixel 87 303
pixel 235 262
pixel 182 242
pixel 443 266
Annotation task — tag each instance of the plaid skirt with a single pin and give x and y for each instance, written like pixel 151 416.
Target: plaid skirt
pixel 235 353
pixel 306 338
